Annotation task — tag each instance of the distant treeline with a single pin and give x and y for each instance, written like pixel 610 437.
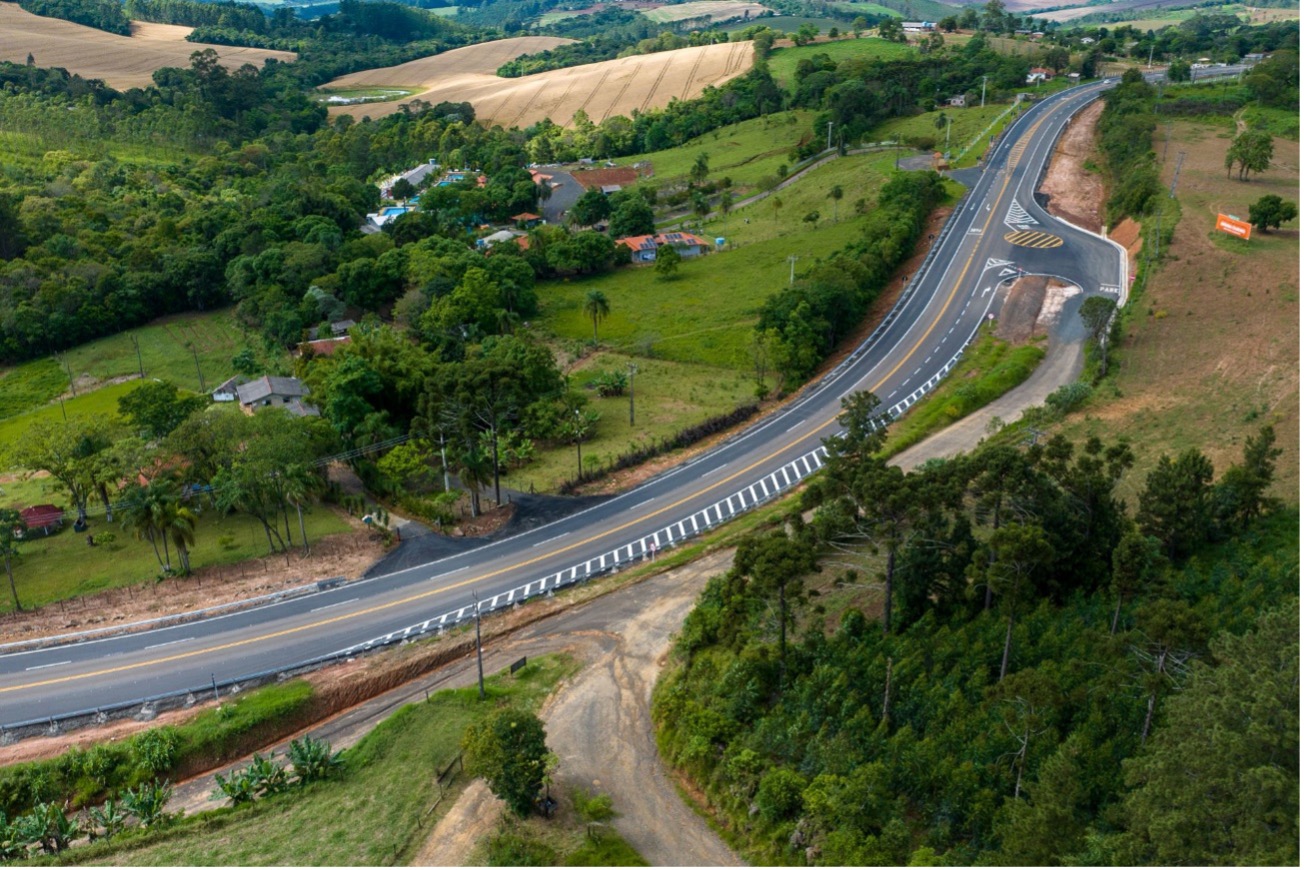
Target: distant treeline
pixel 101 14
pixel 605 47
pixel 191 13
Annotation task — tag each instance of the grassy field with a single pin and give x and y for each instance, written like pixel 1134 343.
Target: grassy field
pixel 790 23
pixel 783 61
pixel 668 396
pixel 167 349
pixel 1210 350
pixel 100 403
pixel 706 315
pixel 61 566
pixel 744 152
pixel 989 368
pixel 372 813
pixel 965 125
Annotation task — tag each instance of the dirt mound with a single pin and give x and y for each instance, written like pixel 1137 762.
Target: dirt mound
pixel 1128 234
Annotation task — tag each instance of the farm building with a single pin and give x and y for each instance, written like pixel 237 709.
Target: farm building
pixel 270 390
pixel 495 238
pixel 45 517
pixel 1040 74
pixel 225 391
pixel 643 249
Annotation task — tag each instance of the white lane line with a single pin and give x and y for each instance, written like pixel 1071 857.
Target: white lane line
pixel 553 538
pixel 183 640
pixel 637 506
pixel 796 425
pixel 329 606
pixel 716 469
pixel 50 665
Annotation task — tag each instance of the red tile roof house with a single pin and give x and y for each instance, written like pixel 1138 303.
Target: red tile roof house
pixel 643 249
pixel 45 517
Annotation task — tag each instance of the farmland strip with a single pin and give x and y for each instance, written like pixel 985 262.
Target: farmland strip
pixel 620 95
pixel 656 84
pixel 597 87
pixel 688 83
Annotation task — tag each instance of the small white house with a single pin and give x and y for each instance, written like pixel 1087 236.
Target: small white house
pixel 226 391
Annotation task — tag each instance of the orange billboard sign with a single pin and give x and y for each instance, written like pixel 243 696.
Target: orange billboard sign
pixel 1238 228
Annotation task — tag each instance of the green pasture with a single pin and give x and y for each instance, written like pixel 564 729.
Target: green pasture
pixel 62 566
pixel 783 61
pixel 965 125
pixel 744 152
pixel 668 397
pixel 99 403
pixel 790 23
pixel 168 348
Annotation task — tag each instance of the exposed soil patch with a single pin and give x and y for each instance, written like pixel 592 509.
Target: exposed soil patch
pixel 1076 194
pixel 1019 312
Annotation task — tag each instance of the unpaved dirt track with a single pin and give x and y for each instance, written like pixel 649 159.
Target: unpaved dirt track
pixel 613 87
pixel 121 61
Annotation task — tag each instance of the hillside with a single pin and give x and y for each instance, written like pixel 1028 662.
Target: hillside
pixel 614 87
pixel 122 62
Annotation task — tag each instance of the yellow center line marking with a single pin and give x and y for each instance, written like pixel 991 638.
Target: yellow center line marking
pixel 181 656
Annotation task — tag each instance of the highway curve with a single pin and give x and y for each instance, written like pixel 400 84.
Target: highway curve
pixel 997 230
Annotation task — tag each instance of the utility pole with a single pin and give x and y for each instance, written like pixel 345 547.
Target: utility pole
pixel 579 465
pixel 479 651
pixel 1151 62
pixel 443 458
pixel 948 137
pixel 633 370
pixel 1177 170
pixel 984 103
pixel 72 385
pixel 139 363
pixel 792 268
pixel 830 142
pixel 198 370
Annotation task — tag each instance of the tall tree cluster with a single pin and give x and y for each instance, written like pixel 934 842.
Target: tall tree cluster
pixel 1046 677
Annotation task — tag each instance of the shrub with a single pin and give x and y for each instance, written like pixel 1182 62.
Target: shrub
pixel 148 802
pixel 155 750
pixel 312 759
pixel 779 795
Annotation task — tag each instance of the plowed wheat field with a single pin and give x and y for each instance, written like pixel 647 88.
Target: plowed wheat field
pixel 614 87
pixel 121 61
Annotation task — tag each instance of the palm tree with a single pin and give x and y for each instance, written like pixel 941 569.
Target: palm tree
pixel 299 484
pixel 11 526
pixel 835 194
pixel 597 308
pixel 138 515
pixel 475 467
pixel 179 525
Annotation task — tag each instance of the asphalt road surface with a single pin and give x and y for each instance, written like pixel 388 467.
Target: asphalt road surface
pixel 998 230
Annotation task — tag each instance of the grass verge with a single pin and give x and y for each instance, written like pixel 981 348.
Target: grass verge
pixel 375 812
pixel 989 368
pixel 213 737
pixel 668 397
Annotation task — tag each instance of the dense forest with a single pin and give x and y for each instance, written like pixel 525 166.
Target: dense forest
pixel 1043 679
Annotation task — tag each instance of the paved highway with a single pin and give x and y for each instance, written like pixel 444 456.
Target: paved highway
pixel 998 230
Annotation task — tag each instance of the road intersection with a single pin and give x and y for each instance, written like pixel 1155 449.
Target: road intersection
pixel 918 343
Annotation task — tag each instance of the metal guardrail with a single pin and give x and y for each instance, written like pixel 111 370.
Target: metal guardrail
pixel 764 489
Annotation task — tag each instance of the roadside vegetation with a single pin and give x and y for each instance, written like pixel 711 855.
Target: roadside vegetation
pixel 989 368
pixel 968 594
pixel 375 808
